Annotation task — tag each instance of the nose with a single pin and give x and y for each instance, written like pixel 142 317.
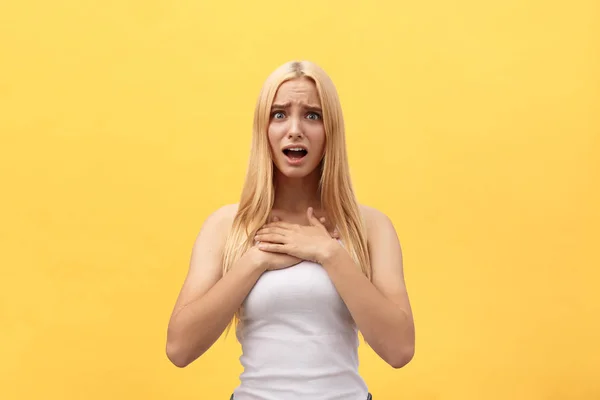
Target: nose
pixel 295 131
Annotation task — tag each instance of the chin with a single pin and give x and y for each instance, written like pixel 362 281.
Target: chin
pixel 295 172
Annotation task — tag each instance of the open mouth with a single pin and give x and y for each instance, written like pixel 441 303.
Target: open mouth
pixel 295 153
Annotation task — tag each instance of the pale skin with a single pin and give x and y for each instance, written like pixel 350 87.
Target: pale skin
pixel 298 231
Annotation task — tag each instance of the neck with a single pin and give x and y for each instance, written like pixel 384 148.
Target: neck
pixel 295 195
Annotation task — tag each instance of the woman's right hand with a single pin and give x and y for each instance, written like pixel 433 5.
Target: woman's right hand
pixel 267 261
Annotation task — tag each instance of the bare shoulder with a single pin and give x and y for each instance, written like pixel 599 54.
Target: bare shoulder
pixel 216 226
pixel 377 222
pixel 222 217
pixel 384 248
pixel 370 212
pixel 213 232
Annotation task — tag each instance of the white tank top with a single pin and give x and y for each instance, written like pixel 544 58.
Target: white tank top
pixel 298 339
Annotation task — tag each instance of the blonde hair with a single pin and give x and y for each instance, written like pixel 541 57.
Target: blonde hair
pixel 337 195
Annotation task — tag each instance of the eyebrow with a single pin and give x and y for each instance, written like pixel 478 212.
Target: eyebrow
pixel 286 105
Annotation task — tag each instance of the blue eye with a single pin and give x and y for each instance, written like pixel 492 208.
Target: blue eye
pixel 314 116
pixel 278 115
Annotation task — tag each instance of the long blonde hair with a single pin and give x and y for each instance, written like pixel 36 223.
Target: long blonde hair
pixel 337 195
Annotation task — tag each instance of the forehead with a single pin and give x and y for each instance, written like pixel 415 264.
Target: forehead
pixel 299 91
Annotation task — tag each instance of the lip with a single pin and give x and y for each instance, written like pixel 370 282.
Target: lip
pixel 295 146
pixel 292 161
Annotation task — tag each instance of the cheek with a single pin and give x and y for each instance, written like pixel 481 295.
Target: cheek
pixel 273 136
pixel 318 139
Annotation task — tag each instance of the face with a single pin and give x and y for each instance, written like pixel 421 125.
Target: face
pixel 296 131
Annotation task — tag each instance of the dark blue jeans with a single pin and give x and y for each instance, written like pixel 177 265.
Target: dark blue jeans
pixel 369 397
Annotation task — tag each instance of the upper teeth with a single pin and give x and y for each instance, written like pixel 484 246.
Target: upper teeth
pixel 296 149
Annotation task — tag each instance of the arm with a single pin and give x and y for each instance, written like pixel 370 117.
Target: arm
pixel 207 302
pixel 381 309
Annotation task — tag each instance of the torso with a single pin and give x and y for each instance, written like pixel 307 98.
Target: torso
pixel 298 339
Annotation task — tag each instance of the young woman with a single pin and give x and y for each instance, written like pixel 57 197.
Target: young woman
pixel 299 263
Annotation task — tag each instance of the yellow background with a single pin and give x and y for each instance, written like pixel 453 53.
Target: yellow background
pixel 474 125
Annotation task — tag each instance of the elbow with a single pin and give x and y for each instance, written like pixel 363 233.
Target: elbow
pixel 181 351
pixel 176 356
pixel 401 357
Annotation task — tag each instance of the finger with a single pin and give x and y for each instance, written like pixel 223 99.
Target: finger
pixel 335 234
pixel 311 217
pixel 275 219
pixel 271 238
pixel 322 220
pixel 272 230
pixel 272 247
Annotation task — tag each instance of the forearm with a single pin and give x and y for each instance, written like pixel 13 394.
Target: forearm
pixel 200 323
pixel 385 325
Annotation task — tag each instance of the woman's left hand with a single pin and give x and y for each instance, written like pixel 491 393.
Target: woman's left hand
pixel 312 243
